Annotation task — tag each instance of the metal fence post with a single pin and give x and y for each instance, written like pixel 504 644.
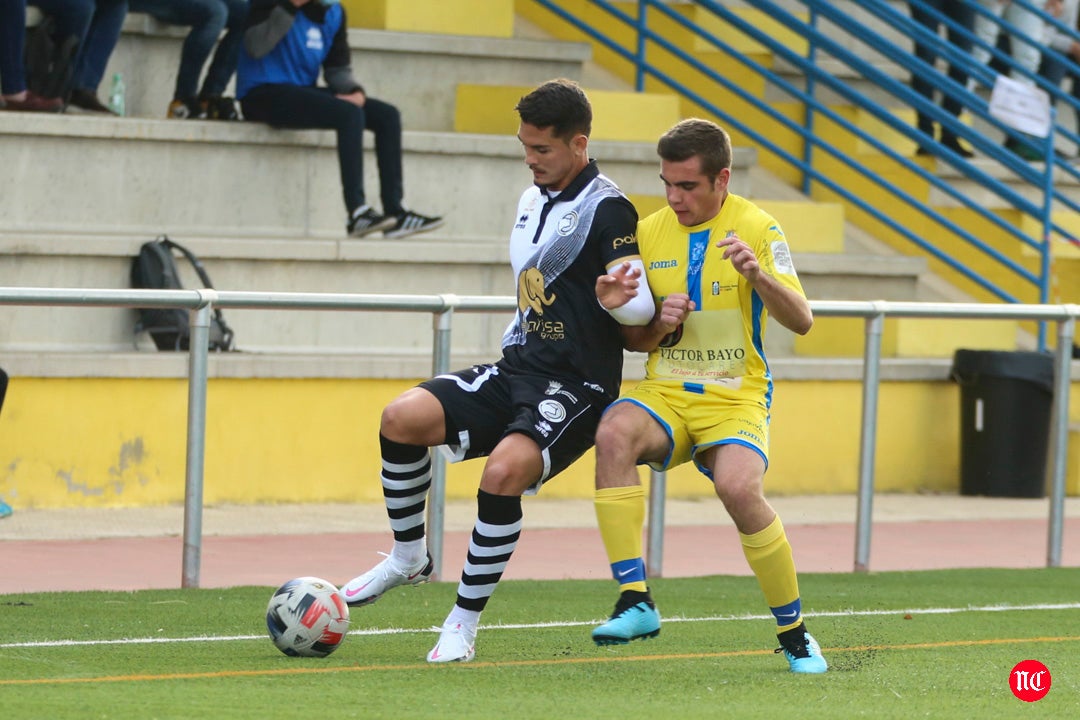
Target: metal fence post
pixel 436 515
pixel 654 555
pixel 1059 438
pixel 871 368
pixel 199 343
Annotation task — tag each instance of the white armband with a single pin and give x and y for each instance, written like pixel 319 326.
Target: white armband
pixel 640 309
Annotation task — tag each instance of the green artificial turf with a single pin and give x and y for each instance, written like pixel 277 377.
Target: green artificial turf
pixel 937 644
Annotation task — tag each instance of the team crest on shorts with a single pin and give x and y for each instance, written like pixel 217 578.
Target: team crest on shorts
pixel 552 410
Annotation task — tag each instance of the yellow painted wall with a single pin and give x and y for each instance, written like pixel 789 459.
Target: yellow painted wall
pixel 618 116
pixel 485 18
pixel 120 442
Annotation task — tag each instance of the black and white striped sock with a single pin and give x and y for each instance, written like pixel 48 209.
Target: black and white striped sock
pixel 498 526
pixel 406 477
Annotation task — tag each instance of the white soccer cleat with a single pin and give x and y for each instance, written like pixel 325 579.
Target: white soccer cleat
pixel 456 644
pixel 367 588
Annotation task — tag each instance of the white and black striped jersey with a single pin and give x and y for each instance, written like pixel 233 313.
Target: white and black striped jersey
pixel 560 244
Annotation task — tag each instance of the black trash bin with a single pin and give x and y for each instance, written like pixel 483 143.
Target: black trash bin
pixel 1005 403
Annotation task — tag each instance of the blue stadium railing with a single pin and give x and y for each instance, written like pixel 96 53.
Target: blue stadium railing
pixel 1039 179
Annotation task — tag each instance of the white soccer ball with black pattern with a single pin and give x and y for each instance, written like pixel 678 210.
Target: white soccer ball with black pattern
pixel 307 617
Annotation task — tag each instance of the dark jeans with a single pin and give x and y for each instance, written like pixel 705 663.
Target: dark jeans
pixel 308 108
pixel 964 15
pixel 207 19
pixel 97 24
pixel 12 37
pixel 1055 71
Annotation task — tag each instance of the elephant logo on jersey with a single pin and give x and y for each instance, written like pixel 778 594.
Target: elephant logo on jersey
pixel 531 291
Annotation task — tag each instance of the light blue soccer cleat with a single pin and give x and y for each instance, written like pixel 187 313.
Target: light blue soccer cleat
pixel 5 509
pixel 630 621
pixel 802 652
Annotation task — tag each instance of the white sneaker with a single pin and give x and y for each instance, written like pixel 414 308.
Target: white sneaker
pixel 456 644
pixel 367 588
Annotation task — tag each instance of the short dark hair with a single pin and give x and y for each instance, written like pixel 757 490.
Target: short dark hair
pixel 702 138
pixel 559 104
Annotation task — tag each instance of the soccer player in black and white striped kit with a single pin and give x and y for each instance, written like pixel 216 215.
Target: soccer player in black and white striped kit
pixel 535 410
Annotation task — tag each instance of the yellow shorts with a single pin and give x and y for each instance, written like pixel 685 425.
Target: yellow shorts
pixel 697 419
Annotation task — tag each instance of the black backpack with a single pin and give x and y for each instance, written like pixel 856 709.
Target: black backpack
pixel 155 268
pixel 50 60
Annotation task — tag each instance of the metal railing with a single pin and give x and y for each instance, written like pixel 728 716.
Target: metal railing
pixel 443 307
pixel 636 33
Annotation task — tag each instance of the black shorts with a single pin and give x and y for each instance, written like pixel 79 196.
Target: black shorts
pixel 486 402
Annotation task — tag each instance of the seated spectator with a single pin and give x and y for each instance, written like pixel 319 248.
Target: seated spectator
pixel 96 26
pixel 207 19
pixel 285 44
pixel 14 94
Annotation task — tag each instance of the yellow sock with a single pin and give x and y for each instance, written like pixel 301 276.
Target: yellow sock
pixel 620 512
pixel 769 555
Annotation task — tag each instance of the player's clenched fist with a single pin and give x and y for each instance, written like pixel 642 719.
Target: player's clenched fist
pixel 674 310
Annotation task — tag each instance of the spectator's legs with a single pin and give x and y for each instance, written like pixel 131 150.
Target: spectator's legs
pixel 962 13
pixel 12 36
pixel 223 66
pixel 1026 55
pixel 919 82
pixel 206 18
pixel 384 120
pixel 100 40
pixel 1076 96
pixel 73 17
pixel 300 108
pixel 986 29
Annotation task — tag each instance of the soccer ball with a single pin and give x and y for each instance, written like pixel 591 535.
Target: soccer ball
pixel 307 617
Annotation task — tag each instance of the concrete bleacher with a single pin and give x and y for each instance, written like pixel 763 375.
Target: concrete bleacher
pixel 263 209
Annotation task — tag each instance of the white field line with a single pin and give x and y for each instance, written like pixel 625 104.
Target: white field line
pixel 561 624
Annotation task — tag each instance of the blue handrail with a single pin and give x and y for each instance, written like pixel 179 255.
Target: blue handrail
pixel 646 37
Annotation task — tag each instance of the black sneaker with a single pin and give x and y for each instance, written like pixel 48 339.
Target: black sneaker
pixel 220 108
pixel 410 223
pixel 86 100
pixel 365 220
pixel 959 149
pixel 186 109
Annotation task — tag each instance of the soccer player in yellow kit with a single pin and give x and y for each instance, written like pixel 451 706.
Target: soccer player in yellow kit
pixel 717 266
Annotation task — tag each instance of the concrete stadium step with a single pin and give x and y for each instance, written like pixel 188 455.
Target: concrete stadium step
pixel 415 266
pixel 132 176
pixel 417 71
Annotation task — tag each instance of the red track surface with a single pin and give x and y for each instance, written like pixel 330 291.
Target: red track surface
pixel 547 553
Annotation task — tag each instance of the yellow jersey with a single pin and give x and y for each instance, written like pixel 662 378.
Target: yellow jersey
pixel 721 344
